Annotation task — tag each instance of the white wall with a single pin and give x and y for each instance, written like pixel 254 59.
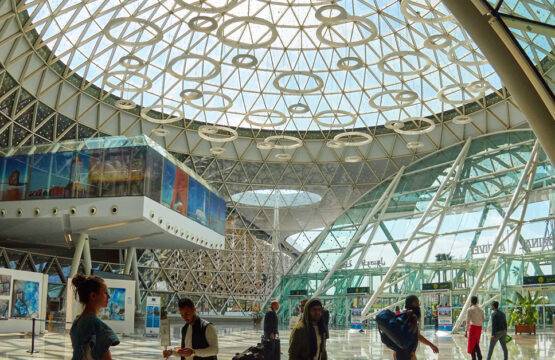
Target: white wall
pixel 19 324
pixel 127 326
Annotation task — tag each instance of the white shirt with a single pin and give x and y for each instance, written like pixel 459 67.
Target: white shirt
pixel 474 316
pixel 318 342
pixel 211 338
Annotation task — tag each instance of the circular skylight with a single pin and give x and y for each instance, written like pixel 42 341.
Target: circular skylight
pixel 257 63
pixel 273 198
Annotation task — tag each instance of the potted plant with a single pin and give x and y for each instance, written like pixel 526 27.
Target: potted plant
pixel 524 314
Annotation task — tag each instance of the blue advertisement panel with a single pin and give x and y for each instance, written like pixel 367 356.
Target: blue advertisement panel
pixel 175 188
pixel 168 180
pixel 39 176
pixel 198 199
pixel 116 169
pixel 60 175
pixel 217 213
pixel 14 178
pixel 154 169
pixel 137 171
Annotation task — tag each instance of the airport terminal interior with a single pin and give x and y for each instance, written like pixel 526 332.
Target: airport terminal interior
pixel 239 153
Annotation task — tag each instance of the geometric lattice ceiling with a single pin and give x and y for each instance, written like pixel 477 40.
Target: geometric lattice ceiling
pixel 278 64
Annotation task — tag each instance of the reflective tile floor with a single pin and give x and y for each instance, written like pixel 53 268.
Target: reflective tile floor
pixel 341 345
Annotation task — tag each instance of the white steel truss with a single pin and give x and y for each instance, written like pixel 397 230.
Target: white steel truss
pixel 421 235
pixel 370 224
pixel 508 233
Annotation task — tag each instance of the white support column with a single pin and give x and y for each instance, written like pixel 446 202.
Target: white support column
pixel 517 206
pixel 77 253
pixel 380 208
pixel 87 260
pixel 135 268
pixel 434 209
pixel 128 260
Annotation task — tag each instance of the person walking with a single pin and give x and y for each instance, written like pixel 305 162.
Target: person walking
pixel 272 348
pixel 90 337
pixel 498 330
pixel 474 320
pixel 199 339
pixel 412 308
pixel 308 338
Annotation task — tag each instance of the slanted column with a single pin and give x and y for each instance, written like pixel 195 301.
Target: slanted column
pixel 82 241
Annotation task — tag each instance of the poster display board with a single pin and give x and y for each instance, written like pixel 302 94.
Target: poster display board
pixel 22 297
pixel 120 312
pixel 356 319
pixel 152 319
pixel 444 318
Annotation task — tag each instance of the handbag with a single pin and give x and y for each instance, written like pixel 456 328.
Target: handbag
pixel 507 338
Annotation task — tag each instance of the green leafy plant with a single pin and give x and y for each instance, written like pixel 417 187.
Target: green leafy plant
pixel 525 309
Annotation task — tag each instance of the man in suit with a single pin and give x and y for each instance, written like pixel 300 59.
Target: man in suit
pixel 498 330
pixel 271 334
pixel 199 339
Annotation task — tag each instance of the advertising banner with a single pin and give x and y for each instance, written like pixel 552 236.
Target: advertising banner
pixel 152 320
pixel 445 318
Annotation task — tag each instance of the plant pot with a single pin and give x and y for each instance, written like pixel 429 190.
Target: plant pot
pixel 523 328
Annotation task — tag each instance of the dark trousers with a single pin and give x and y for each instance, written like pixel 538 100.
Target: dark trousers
pixel 476 353
pixel 500 336
pixel 272 349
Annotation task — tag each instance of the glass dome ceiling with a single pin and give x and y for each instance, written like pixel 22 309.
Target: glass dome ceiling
pixel 275 64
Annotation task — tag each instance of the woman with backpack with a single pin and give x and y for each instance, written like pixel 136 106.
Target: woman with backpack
pixel 401 332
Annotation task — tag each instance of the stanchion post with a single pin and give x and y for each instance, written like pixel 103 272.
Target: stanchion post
pixel 32 351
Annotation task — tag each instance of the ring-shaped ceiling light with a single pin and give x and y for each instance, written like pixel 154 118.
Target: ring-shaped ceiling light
pixel 217 150
pixel 246 21
pixel 298 108
pixel 131 62
pixel 245 61
pixel 196 59
pixel 167 117
pixel 126 22
pixel 462 119
pixel 280 142
pixel 438 41
pixel 329 9
pixel 215 133
pixel 350 63
pixel 384 66
pixel 279 198
pixel 190 94
pixel 318 82
pixel 249 118
pixel 444 95
pixel 418 131
pixel 124 104
pixel 334 114
pixel 399 99
pixel 394 124
pixel 198 23
pixel 361 23
pixel 125 84
pixel 345 139
pixel 197 6
pixel 208 100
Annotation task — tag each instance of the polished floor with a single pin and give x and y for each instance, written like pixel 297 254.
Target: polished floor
pixel 342 345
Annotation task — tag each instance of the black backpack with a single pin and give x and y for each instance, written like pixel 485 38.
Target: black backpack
pixel 395 331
